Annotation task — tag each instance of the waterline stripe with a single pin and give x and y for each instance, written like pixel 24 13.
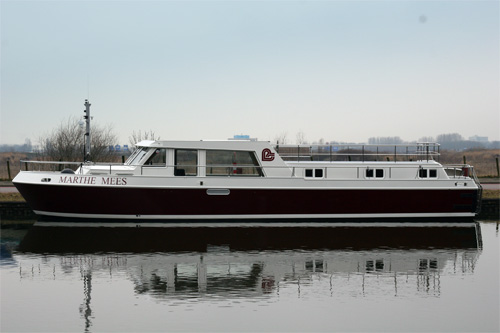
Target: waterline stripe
pixel 255 216
pixel 257 224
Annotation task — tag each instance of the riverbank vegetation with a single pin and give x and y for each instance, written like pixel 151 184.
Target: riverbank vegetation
pixel 491 194
pixel 11 197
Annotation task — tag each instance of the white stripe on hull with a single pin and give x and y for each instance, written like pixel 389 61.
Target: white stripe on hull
pixel 258 216
pixel 254 224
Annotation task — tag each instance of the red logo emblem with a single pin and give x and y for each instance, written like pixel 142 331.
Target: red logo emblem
pixel 267 155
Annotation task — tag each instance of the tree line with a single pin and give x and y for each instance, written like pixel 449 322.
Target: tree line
pixel 450 141
pixel 66 142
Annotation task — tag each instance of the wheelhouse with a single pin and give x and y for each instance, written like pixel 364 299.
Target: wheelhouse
pixel 196 161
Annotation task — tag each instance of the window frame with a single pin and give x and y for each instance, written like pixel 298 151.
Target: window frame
pixel 163 156
pixel 180 169
pixel 234 168
pixel 137 156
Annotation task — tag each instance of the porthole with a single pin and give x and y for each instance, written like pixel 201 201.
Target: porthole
pixel 374 173
pixel 422 173
pixel 314 173
pixel 318 173
pixel 369 173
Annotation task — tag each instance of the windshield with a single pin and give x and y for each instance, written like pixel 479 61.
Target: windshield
pixel 137 156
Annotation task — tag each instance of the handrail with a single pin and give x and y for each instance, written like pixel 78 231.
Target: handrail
pixel 63 163
pixel 453 171
pixel 51 162
pixel 46 163
pixel 425 149
pixel 247 166
pixel 458 170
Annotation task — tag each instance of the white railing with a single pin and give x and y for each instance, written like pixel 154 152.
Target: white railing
pixel 359 152
pixel 30 165
pixel 459 170
pixel 455 171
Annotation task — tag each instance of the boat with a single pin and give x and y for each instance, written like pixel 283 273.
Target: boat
pixel 245 180
pixel 255 181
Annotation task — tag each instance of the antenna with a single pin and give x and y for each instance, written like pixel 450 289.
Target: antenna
pixel 86 137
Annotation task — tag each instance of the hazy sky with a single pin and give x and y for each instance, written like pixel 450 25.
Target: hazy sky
pixel 337 70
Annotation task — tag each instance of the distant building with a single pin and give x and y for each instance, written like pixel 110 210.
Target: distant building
pixel 479 138
pixel 242 137
pixel 119 149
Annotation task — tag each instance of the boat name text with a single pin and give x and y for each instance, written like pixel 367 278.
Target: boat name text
pixel 93 180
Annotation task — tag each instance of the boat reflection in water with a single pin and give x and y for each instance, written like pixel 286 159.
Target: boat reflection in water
pixel 203 263
pixel 54 238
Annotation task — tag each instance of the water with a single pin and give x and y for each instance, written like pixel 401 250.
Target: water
pixel 302 279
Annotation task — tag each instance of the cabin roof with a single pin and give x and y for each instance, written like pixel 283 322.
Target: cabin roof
pixel 206 144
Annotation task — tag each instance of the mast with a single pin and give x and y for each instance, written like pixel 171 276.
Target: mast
pixel 86 137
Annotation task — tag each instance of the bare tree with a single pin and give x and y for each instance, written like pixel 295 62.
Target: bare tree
pixel 385 140
pixel 427 139
pixel 451 137
pixel 300 138
pixel 65 143
pixel 281 139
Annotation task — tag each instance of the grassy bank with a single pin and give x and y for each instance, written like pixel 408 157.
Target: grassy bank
pixel 483 160
pixel 14 164
pixel 491 194
pixel 11 197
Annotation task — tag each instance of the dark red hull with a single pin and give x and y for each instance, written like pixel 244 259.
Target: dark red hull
pixel 110 202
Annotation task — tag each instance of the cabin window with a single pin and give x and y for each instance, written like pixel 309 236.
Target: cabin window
pixel 137 156
pixel 369 265
pixel 186 161
pixel 232 163
pixel 374 173
pixel 432 173
pixel 422 173
pixel 316 173
pixel 159 158
pixel 369 173
pixel 379 264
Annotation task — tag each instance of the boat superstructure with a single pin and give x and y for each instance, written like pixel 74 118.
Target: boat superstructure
pixel 244 180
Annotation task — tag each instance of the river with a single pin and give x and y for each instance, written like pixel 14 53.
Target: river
pixel 306 278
